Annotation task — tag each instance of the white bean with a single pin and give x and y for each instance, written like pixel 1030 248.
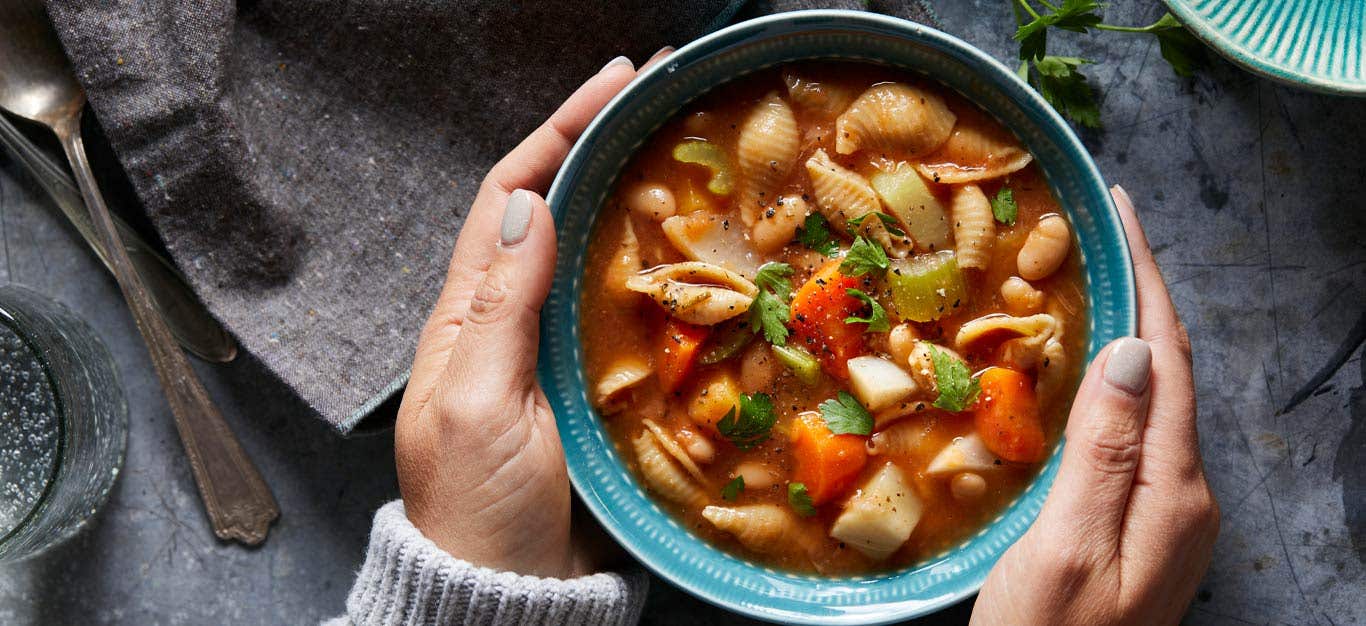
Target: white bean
pixel 756 475
pixel 968 487
pixel 1045 249
pixel 697 446
pixel 901 342
pixel 1020 297
pixel 650 201
pixel 758 366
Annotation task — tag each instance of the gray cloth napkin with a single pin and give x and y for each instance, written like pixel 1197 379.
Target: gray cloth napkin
pixel 309 162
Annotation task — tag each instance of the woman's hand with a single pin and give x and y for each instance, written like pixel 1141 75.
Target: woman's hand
pixel 1128 529
pixel 479 460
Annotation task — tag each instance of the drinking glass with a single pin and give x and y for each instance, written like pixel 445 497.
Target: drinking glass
pixel 63 423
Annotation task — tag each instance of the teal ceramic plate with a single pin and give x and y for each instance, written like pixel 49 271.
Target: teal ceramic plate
pixel 1316 44
pixel 597 468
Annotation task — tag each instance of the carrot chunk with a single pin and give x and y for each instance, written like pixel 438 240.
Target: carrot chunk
pixel 677 352
pixel 826 463
pixel 818 312
pixel 1007 416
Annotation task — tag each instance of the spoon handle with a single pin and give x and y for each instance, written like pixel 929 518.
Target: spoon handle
pixel 190 322
pixel 238 501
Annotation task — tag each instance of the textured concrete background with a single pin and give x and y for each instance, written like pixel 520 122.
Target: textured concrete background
pixel 1251 195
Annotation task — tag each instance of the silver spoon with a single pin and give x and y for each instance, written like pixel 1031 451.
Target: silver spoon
pixel 193 327
pixel 37 83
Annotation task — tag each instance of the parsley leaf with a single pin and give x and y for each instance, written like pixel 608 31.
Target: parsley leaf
pixel 863 257
pixel 733 488
pixel 748 424
pixel 1067 90
pixel 815 234
pixel 957 388
pixel 1074 15
pixel 1181 50
pixel 845 416
pixel 800 500
pixel 1003 206
pixel 877 319
pixel 769 311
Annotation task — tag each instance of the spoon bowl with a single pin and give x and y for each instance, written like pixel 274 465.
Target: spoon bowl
pixel 36 81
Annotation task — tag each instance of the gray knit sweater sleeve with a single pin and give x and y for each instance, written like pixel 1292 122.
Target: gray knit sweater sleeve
pixel 407 580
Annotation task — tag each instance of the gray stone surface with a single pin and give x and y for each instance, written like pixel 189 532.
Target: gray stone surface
pixel 1249 190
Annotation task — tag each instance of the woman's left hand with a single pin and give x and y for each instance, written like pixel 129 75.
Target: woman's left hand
pixel 479 460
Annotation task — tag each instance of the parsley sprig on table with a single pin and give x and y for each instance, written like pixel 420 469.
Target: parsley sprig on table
pixel 1059 79
pixel 748 423
pixel 769 311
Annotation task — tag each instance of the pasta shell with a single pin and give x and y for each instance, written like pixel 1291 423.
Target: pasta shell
pixel 695 292
pixel 670 445
pixel 767 148
pixel 974 228
pixel 663 475
pixel 896 118
pixel 625 264
pixel 843 196
pixel 763 528
pixel 902 438
pixel 626 372
pixel 815 96
pixel 711 238
pixel 1001 327
pixel 972 154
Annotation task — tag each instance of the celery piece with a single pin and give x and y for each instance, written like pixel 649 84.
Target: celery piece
pixel 711 156
pixel 927 287
pixel 726 343
pixel 910 200
pixel 800 362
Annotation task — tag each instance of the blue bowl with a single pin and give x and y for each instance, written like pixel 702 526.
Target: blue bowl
pixel 598 470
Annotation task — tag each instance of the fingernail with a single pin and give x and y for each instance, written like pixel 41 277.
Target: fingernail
pixel 516 217
pixel 665 51
pixel 1129 364
pixel 617 61
pixel 1121 196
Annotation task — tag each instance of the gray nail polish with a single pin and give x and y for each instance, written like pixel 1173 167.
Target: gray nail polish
pixel 666 50
pixel 516 217
pixel 1121 196
pixel 617 61
pixel 1130 362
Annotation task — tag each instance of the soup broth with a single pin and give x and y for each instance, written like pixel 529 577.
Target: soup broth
pixel 833 317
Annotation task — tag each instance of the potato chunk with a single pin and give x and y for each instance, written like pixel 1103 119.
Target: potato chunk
pixel 879 383
pixel 881 515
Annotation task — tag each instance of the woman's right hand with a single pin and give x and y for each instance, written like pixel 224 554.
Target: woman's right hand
pixel 1128 530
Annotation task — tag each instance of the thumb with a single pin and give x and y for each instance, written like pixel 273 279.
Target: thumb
pixel 1104 444
pixel 495 352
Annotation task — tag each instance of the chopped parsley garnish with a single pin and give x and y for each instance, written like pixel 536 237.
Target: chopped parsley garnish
pixel 800 500
pixel 888 221
pixel 815 234
pixel 1003 206
pixel 845 416
pixel 877 317
pixel 748 424
pixel 957 388
pixel 864 257
pixel 733 488
pixel 769 311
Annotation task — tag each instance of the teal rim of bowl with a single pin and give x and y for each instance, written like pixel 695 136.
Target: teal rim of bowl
pixel 1318 45
pixel 598 470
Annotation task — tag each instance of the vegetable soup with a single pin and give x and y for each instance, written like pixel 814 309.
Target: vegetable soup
pixel 833 317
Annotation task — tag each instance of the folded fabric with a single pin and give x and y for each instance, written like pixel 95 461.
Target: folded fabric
pixel 309 163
